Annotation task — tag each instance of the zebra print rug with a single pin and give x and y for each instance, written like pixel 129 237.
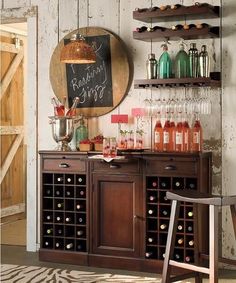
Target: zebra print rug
pixel 34 274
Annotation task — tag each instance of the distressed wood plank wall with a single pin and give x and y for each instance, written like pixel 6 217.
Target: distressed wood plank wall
pixel 56 18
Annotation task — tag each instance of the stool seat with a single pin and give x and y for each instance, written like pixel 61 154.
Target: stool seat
pixel 214 202
pixel 203 198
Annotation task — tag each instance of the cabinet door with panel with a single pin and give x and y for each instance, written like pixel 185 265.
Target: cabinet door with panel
pixel 116 212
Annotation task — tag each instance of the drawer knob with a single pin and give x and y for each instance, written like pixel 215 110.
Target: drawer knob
pixel 170 167
pixel 114 166
pixel 64 165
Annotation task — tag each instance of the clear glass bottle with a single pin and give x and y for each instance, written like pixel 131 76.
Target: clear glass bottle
pixel 81 133
pixel 182 63
pixel 151 66
pixel 165 64
pixel 193 61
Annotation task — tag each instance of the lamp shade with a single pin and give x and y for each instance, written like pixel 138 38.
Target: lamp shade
pixel 77 51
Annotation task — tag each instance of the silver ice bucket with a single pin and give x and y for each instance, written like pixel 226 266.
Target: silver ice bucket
pixel 62 131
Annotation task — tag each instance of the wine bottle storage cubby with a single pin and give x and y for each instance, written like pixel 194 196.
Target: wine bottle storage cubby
pixel 158 213
pixel 64 216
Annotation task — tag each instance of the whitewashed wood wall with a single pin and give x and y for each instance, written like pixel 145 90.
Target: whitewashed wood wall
pixel 56 18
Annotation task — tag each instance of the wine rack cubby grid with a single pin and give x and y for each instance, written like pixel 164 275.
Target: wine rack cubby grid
pixel 64 217
pixel 158 209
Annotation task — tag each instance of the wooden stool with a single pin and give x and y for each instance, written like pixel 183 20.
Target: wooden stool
pixel 214 203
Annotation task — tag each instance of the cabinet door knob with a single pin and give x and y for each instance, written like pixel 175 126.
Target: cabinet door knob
pixel 170 167
pixel 64 165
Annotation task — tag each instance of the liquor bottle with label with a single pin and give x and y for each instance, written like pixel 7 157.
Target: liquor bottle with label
pixel 179 136
pixel 165 64
pixel 197 136
pixel 158 136
pixel 186 136
pixel 166 135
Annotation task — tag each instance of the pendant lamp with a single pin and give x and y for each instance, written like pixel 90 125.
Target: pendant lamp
pixel 77 51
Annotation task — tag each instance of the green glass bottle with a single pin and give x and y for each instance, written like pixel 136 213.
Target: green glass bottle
pixel 165 64
pixel 81 133
pixel 182 63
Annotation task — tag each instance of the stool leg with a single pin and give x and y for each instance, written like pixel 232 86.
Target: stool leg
pixel 213 243
pixel 233 214
pixel 170 240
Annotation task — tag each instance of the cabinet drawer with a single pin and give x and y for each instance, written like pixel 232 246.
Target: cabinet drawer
pixel 172 166
pixel 64 164
pixel 116 166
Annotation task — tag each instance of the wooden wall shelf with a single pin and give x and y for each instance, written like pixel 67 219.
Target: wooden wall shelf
pixel 213 81
pixel 193 33
pixel 191 12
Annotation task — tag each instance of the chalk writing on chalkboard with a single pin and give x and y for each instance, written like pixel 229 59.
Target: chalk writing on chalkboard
pixel 92 83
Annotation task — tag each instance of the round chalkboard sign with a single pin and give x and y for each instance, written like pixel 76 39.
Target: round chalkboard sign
pixel 100 86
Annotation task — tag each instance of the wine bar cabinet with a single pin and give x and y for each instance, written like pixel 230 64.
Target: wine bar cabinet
pixel 115 214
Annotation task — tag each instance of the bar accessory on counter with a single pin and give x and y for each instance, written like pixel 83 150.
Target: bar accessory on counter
pixel 204 64
pixel 193 60
pixel 151 66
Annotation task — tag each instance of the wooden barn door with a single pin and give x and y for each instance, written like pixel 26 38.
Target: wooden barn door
pixel 12 149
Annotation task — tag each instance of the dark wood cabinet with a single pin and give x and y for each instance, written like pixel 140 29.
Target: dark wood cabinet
pixel 115 214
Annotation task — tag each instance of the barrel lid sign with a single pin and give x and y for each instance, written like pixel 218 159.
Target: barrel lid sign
pixel 100 86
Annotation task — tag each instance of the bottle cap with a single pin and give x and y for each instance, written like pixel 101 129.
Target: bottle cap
pixel 203 48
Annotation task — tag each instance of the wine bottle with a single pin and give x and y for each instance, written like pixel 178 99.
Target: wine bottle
pixel 190 228
pixel 49 231
pixel 48 217
pixel 158 136
pixel 59 231
pixel 191 243
pixel 164 212
pixel 180 227
pixel 141 29
pixel 57 193
pixel 72 111
pixel 82 192
pixel 163 226
pixel 141 10
pixel 58 218
pixel 177 27
pixel 59 179
pixel 59 108
pixel 180 241
pixel 176 6
pixel 150 240
pixel 68 219
pixel 80 232
pixel 186 136
pixel 177 256
pixel 57 245
pixel 151 212
pixel 80 180
pixel 81 220
pixel 79 206
pixel 59 205
pixel 46 244
pixel 69 246
pixel 197 136
pixel 69 180
pixel 148 254
pixel 48 192
pixel 166 135
pixel 152 198
pixel 190 214
pixel 68 193
pixel 189 259
pixel 154 184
